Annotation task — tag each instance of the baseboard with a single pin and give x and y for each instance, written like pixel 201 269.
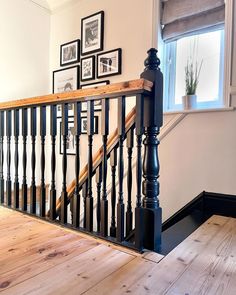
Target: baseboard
pixel 196 203
pixel 220 204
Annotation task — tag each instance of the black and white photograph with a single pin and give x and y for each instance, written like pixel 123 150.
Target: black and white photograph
pixel 97 103
pixel 109 63
pixel 92 33
pixel 70 142
pixel 66 80
pixel 70 53
pixel 84 125
pixel 87 68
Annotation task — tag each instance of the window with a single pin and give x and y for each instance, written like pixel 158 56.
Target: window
pixel 206 47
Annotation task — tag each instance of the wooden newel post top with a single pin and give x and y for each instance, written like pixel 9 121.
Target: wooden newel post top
pixel 153 115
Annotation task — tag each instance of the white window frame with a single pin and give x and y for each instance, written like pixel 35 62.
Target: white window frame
pixel 228 37
pixel 170 51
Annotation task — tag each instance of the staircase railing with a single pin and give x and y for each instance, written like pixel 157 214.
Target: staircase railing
pixel 112 143
pixel 145 120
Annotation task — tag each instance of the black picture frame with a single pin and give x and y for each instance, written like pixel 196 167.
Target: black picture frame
pixel 73 52
pixel 108 60
pixel 90 68
pixel 92 31
pixel 97 103
pixel 70 139
pixel 84 130
pixel 56 88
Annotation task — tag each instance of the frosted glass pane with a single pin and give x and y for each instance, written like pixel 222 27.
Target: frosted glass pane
pixel 204 47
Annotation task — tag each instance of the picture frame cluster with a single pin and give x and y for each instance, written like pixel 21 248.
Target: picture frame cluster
pixel 83 60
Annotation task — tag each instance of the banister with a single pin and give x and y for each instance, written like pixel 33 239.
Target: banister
pixel 97 158
pixel 127 88
pixel 143 122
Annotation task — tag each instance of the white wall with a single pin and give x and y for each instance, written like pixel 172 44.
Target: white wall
pixel 126 26
pixel 24 50
pixel 199 154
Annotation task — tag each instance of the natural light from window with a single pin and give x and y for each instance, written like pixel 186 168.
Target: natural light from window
pixel 206 48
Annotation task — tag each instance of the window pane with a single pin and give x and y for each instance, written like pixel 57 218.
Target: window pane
pixel 206 48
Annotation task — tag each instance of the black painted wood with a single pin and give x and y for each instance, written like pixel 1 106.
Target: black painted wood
pixel 113 163
pixel 33 160
pixel 99 185
pixel 77 133
pixel 16 180
pixel 2 132
pixel 129 212
pixel 90 132
pixel 139 130
pixel 8 134
pixel 64 134
pixel 84 194
pixel 105 133
pixel 24 158
pixel 42 205
pixel 120 206
pixel 153 120
pixel 53 133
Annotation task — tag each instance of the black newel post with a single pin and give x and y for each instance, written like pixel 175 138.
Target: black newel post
pixel 153 119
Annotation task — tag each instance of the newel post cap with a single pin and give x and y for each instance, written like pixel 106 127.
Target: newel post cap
pixel 152 62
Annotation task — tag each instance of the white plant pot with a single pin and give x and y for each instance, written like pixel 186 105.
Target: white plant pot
pixel 189 102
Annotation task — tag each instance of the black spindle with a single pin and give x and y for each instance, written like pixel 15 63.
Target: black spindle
pixel 129 213
pixel 120 205
pixel 77 132
pixel 42 206
pixel 8 134
pixel 33 160
pixel 99 184
pixel 84 194
pixel 113 162
pixel 90 132
pixel 24 158
pixel 16 181
pixel 53 132
pixel 138 210
pixel 105 132
pixel 1 156
pixel 64 163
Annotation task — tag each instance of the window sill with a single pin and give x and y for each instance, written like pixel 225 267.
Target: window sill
pixel 220 109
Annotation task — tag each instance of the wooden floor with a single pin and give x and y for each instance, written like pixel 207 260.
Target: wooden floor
pixel 41 258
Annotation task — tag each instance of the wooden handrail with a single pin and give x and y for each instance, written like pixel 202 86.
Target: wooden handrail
pixel 128 88
pixel 97 158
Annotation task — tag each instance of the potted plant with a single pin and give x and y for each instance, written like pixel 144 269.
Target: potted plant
pixel 192 72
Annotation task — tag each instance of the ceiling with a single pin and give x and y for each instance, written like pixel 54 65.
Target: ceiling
pixel 52 4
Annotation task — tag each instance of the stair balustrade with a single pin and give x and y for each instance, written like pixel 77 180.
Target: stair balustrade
pixel 115 216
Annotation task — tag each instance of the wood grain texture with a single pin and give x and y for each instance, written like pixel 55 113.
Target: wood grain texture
pixel 202 264
pixel 39 258
pixel 128 88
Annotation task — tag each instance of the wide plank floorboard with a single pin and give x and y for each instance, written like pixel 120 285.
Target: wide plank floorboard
pixel 40 258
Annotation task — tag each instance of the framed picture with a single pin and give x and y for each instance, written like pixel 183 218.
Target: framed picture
pixel 63 81
pixel 84 125
pixel 87 68
pixel 70 143
pixel 92 33
pixel 70 53
pixel 109 63
pixel 97 103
